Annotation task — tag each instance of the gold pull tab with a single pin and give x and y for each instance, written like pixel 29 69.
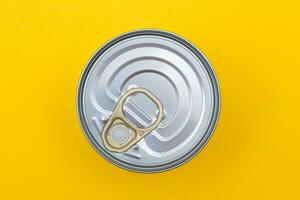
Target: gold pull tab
pixel 119 134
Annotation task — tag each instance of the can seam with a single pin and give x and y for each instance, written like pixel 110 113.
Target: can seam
pixel 184 158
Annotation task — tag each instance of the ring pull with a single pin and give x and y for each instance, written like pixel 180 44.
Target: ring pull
pixel 119 134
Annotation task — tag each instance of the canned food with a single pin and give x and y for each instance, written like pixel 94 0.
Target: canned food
pixel 182 100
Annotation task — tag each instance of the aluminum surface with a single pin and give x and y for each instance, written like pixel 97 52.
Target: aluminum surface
pixel 175 72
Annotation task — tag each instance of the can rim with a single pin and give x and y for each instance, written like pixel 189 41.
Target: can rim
pixel 185 157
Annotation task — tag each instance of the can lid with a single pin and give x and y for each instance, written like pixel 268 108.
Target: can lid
pixel 176 72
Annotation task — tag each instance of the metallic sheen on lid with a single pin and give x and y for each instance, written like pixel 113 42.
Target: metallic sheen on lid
pixel 176 72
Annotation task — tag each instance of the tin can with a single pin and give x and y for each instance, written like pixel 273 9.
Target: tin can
pixel 171 68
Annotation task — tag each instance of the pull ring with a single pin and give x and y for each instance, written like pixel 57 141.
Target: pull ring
pixel 119 134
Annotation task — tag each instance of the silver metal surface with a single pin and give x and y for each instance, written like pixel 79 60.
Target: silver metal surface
pixel 175 72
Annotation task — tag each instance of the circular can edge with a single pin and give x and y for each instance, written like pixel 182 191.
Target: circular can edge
pixel 186 157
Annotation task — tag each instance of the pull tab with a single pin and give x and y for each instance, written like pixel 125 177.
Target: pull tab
pixel 119 134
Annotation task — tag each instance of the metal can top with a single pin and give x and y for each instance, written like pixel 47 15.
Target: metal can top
pixel 176 72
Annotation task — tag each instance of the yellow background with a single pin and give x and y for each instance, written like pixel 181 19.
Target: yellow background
pixel 253 47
